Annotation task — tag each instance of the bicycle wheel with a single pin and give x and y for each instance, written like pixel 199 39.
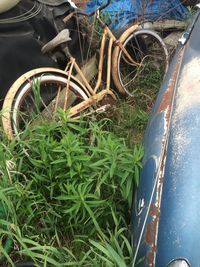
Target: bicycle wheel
pixel 149 51
pixel 34 94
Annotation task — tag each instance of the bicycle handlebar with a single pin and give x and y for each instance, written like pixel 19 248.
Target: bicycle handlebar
pixel 93 12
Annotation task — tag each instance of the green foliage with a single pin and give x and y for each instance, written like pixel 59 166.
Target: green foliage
pixel 129 122
pixel 146 87
pixel 67 190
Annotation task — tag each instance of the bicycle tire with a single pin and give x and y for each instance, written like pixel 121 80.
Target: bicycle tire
pixel 138 43
pixel 19 103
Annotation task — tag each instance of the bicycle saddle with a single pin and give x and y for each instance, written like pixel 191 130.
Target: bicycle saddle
pixel 61 37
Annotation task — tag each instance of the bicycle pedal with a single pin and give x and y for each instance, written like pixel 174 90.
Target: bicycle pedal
pixel 103 108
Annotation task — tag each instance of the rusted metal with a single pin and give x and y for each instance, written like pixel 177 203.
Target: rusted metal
pixel 68 85
pixel 81 3
pixel 165 106
pixel 115 56
pixel 166 230
pixel 133 32
pixel 150 234
pixel 152 228
pixel 109 63
pixel 90 102
pixel 101 57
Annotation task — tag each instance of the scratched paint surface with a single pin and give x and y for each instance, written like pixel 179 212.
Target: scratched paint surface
pixel 166 216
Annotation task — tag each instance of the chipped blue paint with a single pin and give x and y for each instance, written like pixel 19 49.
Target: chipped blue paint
pixel 166 213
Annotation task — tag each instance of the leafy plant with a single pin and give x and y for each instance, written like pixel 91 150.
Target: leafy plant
pixel 66 189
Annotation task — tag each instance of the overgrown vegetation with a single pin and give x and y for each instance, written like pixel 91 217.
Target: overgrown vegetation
pixel 66 190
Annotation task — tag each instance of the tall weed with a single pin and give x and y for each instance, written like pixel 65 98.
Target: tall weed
pixel 67 191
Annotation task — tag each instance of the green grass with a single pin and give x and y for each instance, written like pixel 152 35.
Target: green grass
pixel 67 192
pixel 129 121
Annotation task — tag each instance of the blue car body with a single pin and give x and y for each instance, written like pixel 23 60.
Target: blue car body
pixel 166 209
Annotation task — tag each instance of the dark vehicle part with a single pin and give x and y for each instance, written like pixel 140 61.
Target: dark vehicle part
pixel 26 28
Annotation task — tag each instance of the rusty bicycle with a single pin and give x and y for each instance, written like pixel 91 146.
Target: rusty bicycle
pixel 41 91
